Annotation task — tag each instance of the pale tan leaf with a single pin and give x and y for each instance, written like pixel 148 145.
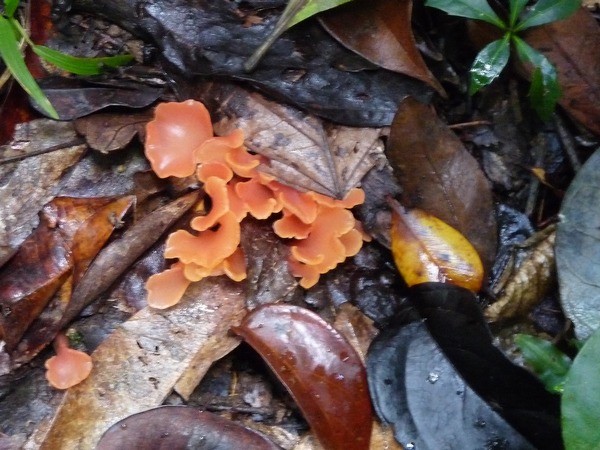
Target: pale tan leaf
pixel 137 366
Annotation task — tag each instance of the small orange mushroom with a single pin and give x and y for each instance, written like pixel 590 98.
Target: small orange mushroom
pixel 69 367
pixel 165 289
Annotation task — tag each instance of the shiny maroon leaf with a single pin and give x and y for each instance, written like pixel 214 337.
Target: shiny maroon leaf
pixel 180 428
pixel 320 369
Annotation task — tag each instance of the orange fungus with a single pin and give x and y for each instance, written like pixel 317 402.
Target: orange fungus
pixel 321 231
pixel 69 367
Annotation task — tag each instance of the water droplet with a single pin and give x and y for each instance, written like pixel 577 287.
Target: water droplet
pixel 487 67
pixel 410 446
pixel 165 434
pixel 123 426
pixel 433 377
pixel 480 423
pixel 338 376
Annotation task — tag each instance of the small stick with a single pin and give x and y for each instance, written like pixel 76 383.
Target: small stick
pixel 42 151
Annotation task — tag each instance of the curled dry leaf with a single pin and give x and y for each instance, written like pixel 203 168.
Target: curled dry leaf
pixel 180 428
pixel 319 368
pixel 29 184
pixel 529 281
pixel 304 152
pixel 136 367
pixel 439 176
pixel 427 249
pixel 381 31
pixel 573 46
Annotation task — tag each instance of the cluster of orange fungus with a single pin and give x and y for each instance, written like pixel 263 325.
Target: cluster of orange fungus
pixel 321 231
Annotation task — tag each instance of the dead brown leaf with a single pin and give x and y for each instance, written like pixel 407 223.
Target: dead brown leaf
pixel 304 152
pixel 573 46
pixel 439 176
pixel 138 365
pixel 381 32
pixel 32 182
pixel 108 132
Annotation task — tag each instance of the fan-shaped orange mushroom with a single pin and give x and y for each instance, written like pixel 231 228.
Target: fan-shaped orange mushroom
pixel 69 367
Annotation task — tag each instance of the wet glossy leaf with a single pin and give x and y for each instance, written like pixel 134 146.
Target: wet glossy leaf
pixel 546 11
pixel 430 164
pixel 319 368
pixel 578 249
pixel 427 249
pixel 573 47
pixel 472 9
pixel 381 32
pixel 313 7
pixel 516 8
pixel 302 67
pixel 143 359
pixel 548 362
pixel 488 64
pixel 444 356
pixel 580 399
pixel 180 428
pixel 304 152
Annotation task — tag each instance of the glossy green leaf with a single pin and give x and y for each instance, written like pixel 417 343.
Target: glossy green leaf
pixel 516 8
pixel 471 9
pixel 10 6
pixel 549 363
pixel 313 7
pixel 546 11
pixel 488 64
pixel 544 91
pixel 77 65
pixel 11 54
pixel 581 398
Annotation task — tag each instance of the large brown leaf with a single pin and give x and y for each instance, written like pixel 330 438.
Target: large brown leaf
pixel 439 175
pixel 304 152
pixel 381 31
pixel 573 46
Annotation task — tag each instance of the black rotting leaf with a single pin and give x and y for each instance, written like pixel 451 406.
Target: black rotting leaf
pixel 179 428
pixel 578 249
pixel 213 38
pixel 448 360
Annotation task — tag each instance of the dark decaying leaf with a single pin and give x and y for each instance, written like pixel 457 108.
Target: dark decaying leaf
pixel 180 428
pixel 381 31
pixel 448 360
pixel 29 184
pixel 73 100
pixel 319 368
pixel 578 249
pixel 573 46
pixel 107 132
pixel 301 68
pixel 110 263
pixel 304 152
pixel 438 175
pixel 70 234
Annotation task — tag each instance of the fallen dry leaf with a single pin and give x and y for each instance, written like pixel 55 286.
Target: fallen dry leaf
pixel 108 132
pixel 304 152
pixel 573 46
pixel 381 32
pixel 438 175
pixel 32 182
pixel 138 365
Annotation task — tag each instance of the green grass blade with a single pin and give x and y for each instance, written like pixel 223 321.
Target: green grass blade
pixel 77 65
pixel 471 9
pixel 10 53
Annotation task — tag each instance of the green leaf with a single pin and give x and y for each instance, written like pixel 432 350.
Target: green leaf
pixel 516 8
pixel 77 65
pixel 10 53
pixel 488 64
pixel 471 9
pixel 549 363
pixel 10 6
pixel 544 91
pixel 313 7
pixel 546 11
pixel 581 399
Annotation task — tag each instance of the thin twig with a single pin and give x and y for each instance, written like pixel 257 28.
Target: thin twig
pixel 9 159
pixel 567 141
